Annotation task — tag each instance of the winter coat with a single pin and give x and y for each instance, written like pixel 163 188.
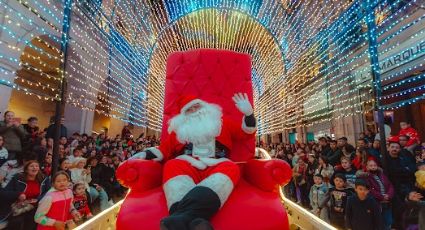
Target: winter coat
pixel 51 131
pixel 13 137
pixel 55 206
pixel 401 171
pixel 14 188
pixel 77 175
pixel 375 189
pixel 318 195
pixel 363 214
pixel 334 156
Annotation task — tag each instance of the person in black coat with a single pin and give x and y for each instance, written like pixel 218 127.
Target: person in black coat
pixel 97 189
pixel 51 130
pixel 362 211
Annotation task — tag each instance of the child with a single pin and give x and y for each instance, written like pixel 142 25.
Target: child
pixel 299 172
pixel 55 210
pixel 77 153
pixel 382 190
pixel 338 196
pixel 318 193
pixel 79 173
pixel 46 167
pixel 3 152
pixel 347 170
pixel 362 212
pixel 80 201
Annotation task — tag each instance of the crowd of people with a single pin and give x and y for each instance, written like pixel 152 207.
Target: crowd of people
pixel 351 187
pixel 357 187
pixel 84 183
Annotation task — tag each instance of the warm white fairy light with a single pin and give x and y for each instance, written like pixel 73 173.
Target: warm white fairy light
pixel 299 54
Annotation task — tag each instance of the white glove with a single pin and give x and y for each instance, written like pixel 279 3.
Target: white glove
pixel 140 155
pixel 243 104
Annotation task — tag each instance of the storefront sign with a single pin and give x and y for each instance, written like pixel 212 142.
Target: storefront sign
pixel 402 57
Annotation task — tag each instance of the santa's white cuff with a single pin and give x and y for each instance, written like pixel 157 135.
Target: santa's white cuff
pixel 194 162
pixel 246 129
pixel 156 152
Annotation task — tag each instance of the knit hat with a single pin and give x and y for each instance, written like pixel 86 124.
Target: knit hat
pixel 79 159
pixel 420 179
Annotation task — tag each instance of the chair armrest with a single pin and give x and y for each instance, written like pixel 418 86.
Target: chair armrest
pixel 267 175
pixel 140 175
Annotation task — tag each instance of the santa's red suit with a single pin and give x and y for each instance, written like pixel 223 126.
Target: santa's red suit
pixel 198 177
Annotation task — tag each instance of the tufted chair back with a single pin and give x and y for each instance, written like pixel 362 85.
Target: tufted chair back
pixel 213 76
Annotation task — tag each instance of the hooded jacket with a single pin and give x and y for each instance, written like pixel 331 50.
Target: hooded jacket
pixel 318 195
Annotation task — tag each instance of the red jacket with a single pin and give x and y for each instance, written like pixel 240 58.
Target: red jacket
pixel 357 163
pixel 81 204
pixel 55 206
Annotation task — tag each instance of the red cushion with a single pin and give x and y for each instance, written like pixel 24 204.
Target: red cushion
pixel 214 76
pixel 247 208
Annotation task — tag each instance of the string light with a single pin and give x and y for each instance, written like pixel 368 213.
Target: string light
pixel 310 58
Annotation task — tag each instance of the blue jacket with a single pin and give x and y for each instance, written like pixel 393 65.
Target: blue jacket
pixel 14 188
pixel 318 195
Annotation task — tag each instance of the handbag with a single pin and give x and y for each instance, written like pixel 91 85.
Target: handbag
pixel 21 207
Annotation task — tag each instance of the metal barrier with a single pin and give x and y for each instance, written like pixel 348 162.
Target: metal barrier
pixel 299 217
pixel 103 221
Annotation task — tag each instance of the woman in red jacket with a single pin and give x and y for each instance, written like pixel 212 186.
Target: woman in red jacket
pixel 361 159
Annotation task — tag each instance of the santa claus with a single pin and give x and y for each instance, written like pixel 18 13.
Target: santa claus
pixel 198 177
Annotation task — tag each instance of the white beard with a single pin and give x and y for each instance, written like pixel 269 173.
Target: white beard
pixel 199 127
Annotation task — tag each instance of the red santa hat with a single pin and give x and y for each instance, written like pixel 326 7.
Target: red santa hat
pixel 185 101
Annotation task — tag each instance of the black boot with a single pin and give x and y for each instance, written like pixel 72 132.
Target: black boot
pixel 175 222
pixel 200 224
pixel 200 202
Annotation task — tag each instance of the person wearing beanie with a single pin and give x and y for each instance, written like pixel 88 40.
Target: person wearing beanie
pixel 198 176
pixel 362 211
pixel 337 198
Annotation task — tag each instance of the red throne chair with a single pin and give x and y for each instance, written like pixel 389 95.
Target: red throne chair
pixel 255 203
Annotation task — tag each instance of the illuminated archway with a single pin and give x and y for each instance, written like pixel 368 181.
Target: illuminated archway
pixel 219 29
